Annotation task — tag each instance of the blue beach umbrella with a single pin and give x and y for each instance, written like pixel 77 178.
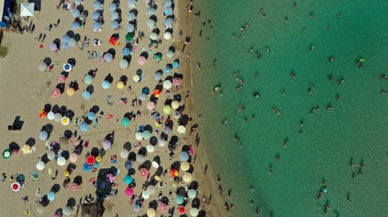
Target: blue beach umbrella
pixel 175 64
pixel 112 7
pixel 105 84
pixel 51 196
pixel 65 38
pixel 131 16
pixel 91 115
pixel 65 46
pixel 142 97
pixel 96 15
pixel 86 95
pixel 168 11
pixel 75 25
pixel 158 75
pixel 75 13
pixel 96 165
pixel 84 127
pixel 128 164
pixel 86 167
pixel 43 135
pixel 88 79
pixel 114 24
pixel 125 122
pixel 167 70
pixel 97 26
pixel 128 179
pixel 184 156
pixel 130 28
pixel 126 51
pixel 97 5
pixel 179 199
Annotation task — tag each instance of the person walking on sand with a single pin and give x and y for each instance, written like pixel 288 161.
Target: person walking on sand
pixel 205 169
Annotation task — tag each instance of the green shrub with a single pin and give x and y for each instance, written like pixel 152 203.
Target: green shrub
pixel 3 51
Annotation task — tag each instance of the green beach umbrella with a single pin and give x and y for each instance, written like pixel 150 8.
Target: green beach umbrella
pixel 179 199
pixel 158 57
pixel 167 109
pixel 7 154
pixel 129 36
pixel 125 122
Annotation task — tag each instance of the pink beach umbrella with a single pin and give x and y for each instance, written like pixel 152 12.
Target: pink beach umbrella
pixel 74 187
pixel 162 207
pixel 177 81
pixel 151 105
pixel 191 150
pixel 73 157
pixel 129 192
pixel 56 93
pixel 144 172
pixel 53 47
pixel 106 145
pixel 110 177
pixel 61 79
pixel 141 60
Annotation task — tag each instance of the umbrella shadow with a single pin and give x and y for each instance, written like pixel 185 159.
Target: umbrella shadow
pixel 80 8
pixel 149 128
pixel 168 102
pixel 156 30
pixel 47 107
pixel 55 188
pixel 153 204
pixel 172 48
pixel 95 109
pixel 128 58
pixel 61 87
pixel 31 141
pixel 124 79
pixel 77 37
pixel 178 75
pixel 127 146
pixel 147 164
pixel 13 146
pixel 71 202
pixel 65 74
pixel 142 151
pixel 154 18
pixel 90 89
pixel 112 51
pixel 68 134
pixel 176 165
pixel 63 110
pixel 44 158
pixel 144 54
pixel 48 60
pixel 70 33
pixel 134 11
pixel 153 140
pixel 183 120
pixel 95 152
pixel 132 156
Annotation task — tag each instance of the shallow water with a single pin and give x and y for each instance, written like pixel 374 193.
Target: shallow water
pixel 354 129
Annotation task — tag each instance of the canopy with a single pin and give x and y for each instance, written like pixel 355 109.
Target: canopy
pixel 27 9
pixel 141 60
pixel 131 16
pixel 167 35
pixel 123 63
pixel 151 24
pixel 130 27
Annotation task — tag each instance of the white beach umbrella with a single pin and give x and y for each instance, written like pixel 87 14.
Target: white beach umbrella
pixel 175 104
pixel 61 161
pixel 187 177
pixel 57 117
pixel 140 158
pixel 108 57
pixel 131 16
pixel 151 189
pixel 75 25
pixel 153 36
pixel 162 143
pixel 72 42
pixel 67 211
pixel 132 3
pixel 181 129
pixel 40 165
pixel 146 195
pixel 170 54
pixel 192 193
pixel 151 23
pixel 42 67
pixel 151 11
pixel 51 155
pixel 27 9
pixel 167 3
pixel 65 46
pixel 194 212
pixel 167 35
pixel 155 164
pixel 167 84
pixel 65 38
pixel 139 136
pixel 124 153
pixel 150 148
pixel 123 63
pixel 50 115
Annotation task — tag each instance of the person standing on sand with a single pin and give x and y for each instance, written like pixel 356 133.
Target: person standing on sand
pixel 205 169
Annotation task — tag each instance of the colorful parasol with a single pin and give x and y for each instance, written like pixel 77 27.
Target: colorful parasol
pixel 144 172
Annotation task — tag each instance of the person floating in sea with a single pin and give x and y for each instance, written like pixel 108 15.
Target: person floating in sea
pixel 293 75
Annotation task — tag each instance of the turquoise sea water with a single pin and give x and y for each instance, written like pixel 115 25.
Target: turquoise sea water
pixel 355 128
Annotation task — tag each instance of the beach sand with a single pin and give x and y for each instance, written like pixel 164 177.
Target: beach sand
pixel 24 91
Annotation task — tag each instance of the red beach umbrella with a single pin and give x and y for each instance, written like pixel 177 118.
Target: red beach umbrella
pixel 91 160
pixel 144 172
pixel 182 210
pixel 56 93
pixel 15 186
pixel 61 79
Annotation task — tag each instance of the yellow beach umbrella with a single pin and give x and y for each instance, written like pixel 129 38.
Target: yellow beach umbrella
pixel 157 178
pixel 26 149
pixel 70 91
pixel 181 129
pixel 65 121
pixel 120 85
pixel 66 173
pixel 175 104
pixel 174 184
pixel 136 78
pixel 98 159
pixel 151 212
pixel 185 166
pixel 187 177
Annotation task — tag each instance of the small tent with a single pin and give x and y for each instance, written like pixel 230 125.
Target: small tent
pixel 27 9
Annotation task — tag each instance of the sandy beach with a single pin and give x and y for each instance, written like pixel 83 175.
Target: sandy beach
pixel 24 92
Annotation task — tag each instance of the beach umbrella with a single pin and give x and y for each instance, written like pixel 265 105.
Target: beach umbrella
pixel 50 115
pixel 51 196
pixel 75 13
pixel 55 93
pixel 139 136
pixel 167 84
pixel 88 79
pixel 141 60
pixel 112 7
pixel 84 127
pixel 184 156
pixel 7 154
pixel 91 115
pixel 167 70
pixel 150 11
pixel 65 46
pixel 167 35
pixel 106 144
pixel 175 64
pixel 39 208
pixel 187 177
pixel 128 179
pixel 125 122
pixel 131 16
pixel 153 36
pixel 167 3
pixel 170 54
pixel 40 165
pixel 150 148
pixel 136 208
pixel 166 109
pixel 123 63
pixel 67 211
pixel 179 199
pixel 70 91
pixel 151 189
pixel 15 186
pixel 129 36
pixel 158 57
pixel 146 134
pixel 120 85
pixel 65 38
pixel 136 78
pixel 181 129
pixel 132 3
pixel 61 161
pixel 43 135
pixel 140 158
pixel 42 66
pixel 97 5
pixel 86 167
pixel 124 153
pixel 73 157
pixel 162 207
pixel 108 57
pixel 57 117
pixel 96 15
pixel 97 26
pixel 130 27
pixel 65 121
pixel 151 23
pixel 157 76
pixel 185 166
pixel 86 95
pixel 26 149
pixel 91 160
pixel 151 105
pixel 105 84
pixel 181 210
pixel 75 25
pixel 53 47
pixel 151 212
pixel 175 104
pixel 72 43
pixel 194 212
pixel 143 172
pixel 168 11
pixel 145 90
pixel 128 164
pixel 114 24
pixel 192 193
pixel 145 195
pixel 126 52
pixel 129 191
pixel 67 67
pixel 177 81
pixel 114 15
pixel 155 164
pixel 168 23
pixel 61 79
pixel 142 97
